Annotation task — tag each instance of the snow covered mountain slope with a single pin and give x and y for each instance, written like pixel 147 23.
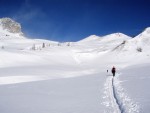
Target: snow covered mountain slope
pixel 105 43
pixel 42 76
pixel 137 47
pixel 143 40
pixel 91 38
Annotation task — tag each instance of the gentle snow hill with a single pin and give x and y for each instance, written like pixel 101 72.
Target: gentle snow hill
pixel 116 49
pixel 140 43
pixel 15 47
pixel 107 38
pixel 98 45
pixel 90 38
pixel 144 34
pixel 113 40
pixel 143 39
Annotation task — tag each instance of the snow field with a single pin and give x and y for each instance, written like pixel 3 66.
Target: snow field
pixel 62 78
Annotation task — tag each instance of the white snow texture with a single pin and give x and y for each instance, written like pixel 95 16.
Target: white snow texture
pixel 42 76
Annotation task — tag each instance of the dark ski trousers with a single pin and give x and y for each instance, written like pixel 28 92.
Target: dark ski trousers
pixel 113 74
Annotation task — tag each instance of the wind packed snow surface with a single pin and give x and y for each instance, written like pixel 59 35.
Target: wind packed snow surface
pixel 41 76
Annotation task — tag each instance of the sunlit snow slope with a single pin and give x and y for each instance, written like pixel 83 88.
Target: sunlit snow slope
pixel 42 76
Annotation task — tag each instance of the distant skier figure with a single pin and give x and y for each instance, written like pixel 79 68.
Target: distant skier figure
pixel 113 71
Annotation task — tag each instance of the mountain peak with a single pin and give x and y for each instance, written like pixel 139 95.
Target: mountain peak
pixel 116 36
pixel 147 30
pixel 90 38
pixel 144 34
pixel 10 25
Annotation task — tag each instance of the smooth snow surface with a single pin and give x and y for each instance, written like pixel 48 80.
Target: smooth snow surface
pixel 41 76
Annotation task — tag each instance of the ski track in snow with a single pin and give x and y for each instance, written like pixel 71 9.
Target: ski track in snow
pixel 110 103
pixel 116 100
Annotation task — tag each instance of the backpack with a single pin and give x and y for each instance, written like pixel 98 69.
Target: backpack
pixel 113 70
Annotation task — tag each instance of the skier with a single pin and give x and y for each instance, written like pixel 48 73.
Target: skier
pixel 113 71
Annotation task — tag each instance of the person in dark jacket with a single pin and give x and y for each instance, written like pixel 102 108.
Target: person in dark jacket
pixel 113 71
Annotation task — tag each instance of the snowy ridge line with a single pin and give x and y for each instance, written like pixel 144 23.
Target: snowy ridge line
pixel 125 104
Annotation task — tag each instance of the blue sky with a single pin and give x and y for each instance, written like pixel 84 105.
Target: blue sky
pixel 72 20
